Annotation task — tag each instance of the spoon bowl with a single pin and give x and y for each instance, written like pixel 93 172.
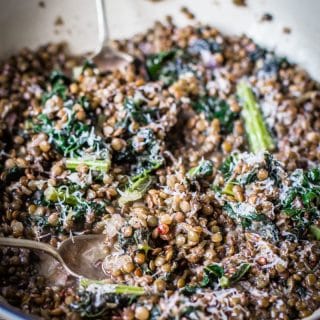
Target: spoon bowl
pixel 106 57
pixel 81 256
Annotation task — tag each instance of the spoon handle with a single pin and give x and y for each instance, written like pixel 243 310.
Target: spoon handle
pixel 103 30
pixel 30 244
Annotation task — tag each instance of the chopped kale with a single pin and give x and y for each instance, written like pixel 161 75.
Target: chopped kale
pixel 301 201
pixel 190 312
pixel 168 66
pixel 273 167
pixel 84 102
pixel 215 273
pixel 211 274
pixel 59 83
pixel 243 214
pixel 156 62
pixel 251 220
pixel 73 138
pixel 88 64
pixel 151 158
pixel 240 272
pixel 135 112
pixel 136 189
pixel 143 151
pixel 70 202
pixel 204 169
pixel 215 108
pixel 97 299
pixel 228 166
pixel 79 70
pixel 141 238
pixel 315 231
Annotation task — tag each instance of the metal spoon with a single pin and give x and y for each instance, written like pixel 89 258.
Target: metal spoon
pixel 106 57
pixel 81 256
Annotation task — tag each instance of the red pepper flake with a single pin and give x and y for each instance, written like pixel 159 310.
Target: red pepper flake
pixel 163 229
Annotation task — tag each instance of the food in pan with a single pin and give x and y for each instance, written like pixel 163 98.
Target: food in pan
pixel 199 163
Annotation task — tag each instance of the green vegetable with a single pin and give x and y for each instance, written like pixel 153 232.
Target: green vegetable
pixel 228 166
pixel 227 169
pixel 168 66
pixel 242 213
pixel 301 201
pixel 79 70
pixel 211 274
pixel 250 219
pixel 53 194
pixel 59 83
pixel 136 189
pixel 241 271
pixel 145 156
pixel 214 108
pixel 72 139
pixel 97 165
pixel 214 273
pixel 272 166
pixel 69 201
pixel 99 300
pixel 156 62
pixel 113 288
pixel 315 231
pixel 137 113
pixel 256 129
pixel 141 238
pixel 204 169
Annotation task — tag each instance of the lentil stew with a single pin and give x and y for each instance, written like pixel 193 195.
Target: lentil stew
pixel 199 163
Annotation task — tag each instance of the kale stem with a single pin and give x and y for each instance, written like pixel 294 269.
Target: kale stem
pixel 124 289
pixel 315 231
pixel 256 129
pixel 98 165
pixel 54 195
pixel 228 189
pixel 113 288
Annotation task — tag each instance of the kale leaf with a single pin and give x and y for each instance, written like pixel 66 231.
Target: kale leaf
pixel 136 189
pixel 156 62
pixel 137 113
pixel 72 138
pixel 215 108
pixel 251 220
pixel 143 151
pixel 215 273
pixel 204 169
pixel 103 298
pixel 228 166
pixel 301 201
pixel 70 201
pixel 168 66
pixel 59 83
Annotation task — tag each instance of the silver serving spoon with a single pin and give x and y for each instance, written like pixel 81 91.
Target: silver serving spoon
pixel 81 256
pixel 106 58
